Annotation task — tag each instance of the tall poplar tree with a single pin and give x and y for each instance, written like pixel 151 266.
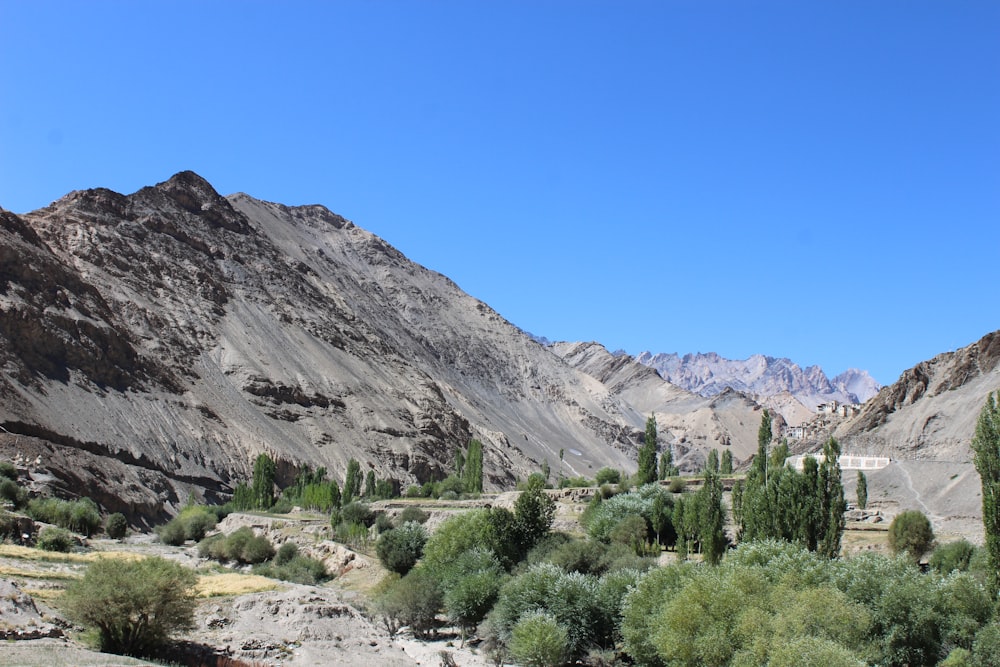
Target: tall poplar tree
pixel 262 486
pixel 832 503
pixel 473 474
pixel 986 446
pixel 647 454
pixel 862 490
pixel 352 482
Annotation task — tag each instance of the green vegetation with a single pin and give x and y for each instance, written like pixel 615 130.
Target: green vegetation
pixel 190 524
pixel 862 490
pixel 54 539
pixel 241 546
pixel 116 526
pixel 647 454
pixel 133 605
pixel 986 448
pixel 911 533
pixel 80 516
pixel 400 548
pixel 780 503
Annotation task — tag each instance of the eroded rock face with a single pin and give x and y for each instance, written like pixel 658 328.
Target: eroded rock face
pixel 181 333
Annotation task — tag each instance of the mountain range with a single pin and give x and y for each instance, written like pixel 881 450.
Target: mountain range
pixel 153 344
pixel 761 377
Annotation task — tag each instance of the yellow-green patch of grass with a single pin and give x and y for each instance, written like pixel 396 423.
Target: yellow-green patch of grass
pixel 46 594
pixel 232 583
pixel 28 553
pixel 46 575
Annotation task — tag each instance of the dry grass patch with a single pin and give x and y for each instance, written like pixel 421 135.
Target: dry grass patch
pixel 232 583
pixel 29 553
pixel 44 575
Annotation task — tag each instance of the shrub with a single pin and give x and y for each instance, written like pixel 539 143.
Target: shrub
pixel 411 513
pixel 172 533
pixel 413 600
pixel 241 546
pixel 299 569
pixel 357 513
pixel 607 476
pixel 400 549
pixel 286 552
pixel 256 550
pixel 192 523
pixel 116 526
pixel 383 523
pixel 471 584
pixel 8 471
pixel 55 539
pixel 952 556
pixel 575 483
pixel 13 493
pixel 80 516
pixel 414 491
pixel 133 605
pixel 911 532
pixel 539 640
pixel 676 485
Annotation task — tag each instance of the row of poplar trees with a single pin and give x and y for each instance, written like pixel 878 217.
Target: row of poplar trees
pixel 780 502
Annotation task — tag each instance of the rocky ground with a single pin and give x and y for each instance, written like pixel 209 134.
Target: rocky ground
pixel 242 620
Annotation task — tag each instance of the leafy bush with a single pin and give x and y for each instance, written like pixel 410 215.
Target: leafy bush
pixel 539 640
pixel 413 600
pixel 8 471
pixel 116 526
pixel 400 549
pixel 192 523
pixel 471 585
pixel 911 532
pixel 607 476
pixel 81 516
pixel 133 605
pixel 12 492
pixel 54 539
pixel 575 482
pixel 241 546
pixel 383 523
pixel 298 568
pixel 411 513
pixel 951 557
pixel 286 552
pixel 676 485
pixel 357 513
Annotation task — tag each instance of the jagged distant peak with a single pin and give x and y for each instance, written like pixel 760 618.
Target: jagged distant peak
pixel 708 373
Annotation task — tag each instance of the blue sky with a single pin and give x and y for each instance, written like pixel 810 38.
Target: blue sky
pixel 812 180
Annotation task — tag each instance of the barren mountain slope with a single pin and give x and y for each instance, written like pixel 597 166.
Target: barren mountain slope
pixel 930 412
pixel 689 423
pixel 183 333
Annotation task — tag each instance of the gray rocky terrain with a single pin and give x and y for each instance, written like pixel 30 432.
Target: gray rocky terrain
pixel 177 333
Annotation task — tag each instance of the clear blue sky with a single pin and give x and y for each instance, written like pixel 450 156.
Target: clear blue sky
pixel 815 180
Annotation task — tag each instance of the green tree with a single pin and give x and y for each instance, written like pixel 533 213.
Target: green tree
pixel 399 549
pixel 726 467
pixel 831 500
pixel 911 533
pixel 533 515
pixel 116 526
pixel 538 640
pixel 262 486
pixel 711 516
pixel 474 467
pixel 862 490
pixel 986 448
pixel 459 463
pixel 134 605
pixel 712 461
pixel 370 484
pixel 352 482
pixel 647 454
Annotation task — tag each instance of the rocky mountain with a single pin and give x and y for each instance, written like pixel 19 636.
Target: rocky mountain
pixel 153 344
pixel 689 423
pixel 763 378
pixel 930 413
